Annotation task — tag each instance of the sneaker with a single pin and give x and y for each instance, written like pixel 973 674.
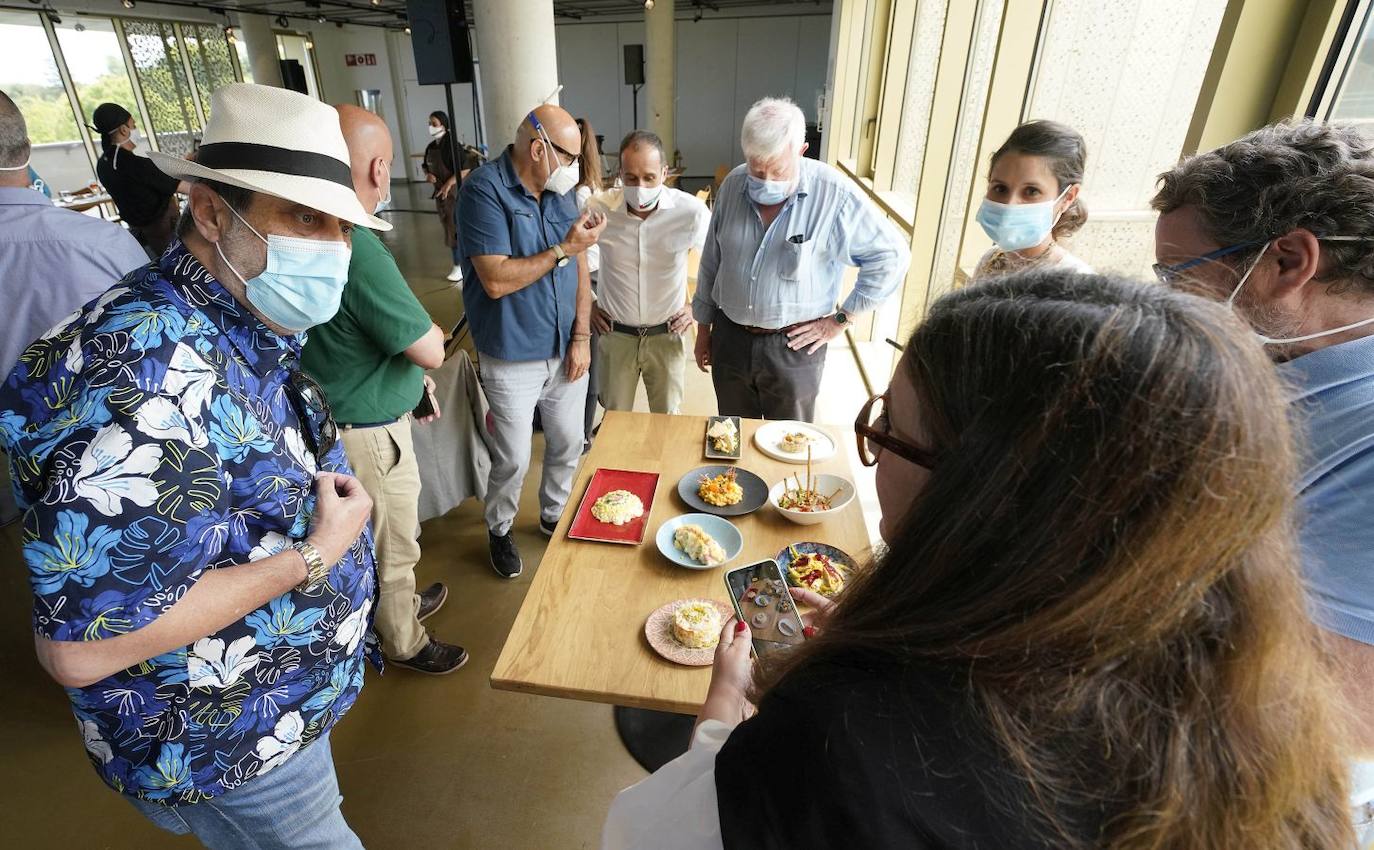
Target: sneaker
pixel 432 599
pixel 505 558
pixel 547 528
pixel 456 275
pixel 437 658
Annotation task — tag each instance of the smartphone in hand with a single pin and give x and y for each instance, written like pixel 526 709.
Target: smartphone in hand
pixel 426 407
pixel 759 594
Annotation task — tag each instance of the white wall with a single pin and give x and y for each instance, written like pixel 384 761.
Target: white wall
pixel 418 101
pixel 340 81
pixel 723 66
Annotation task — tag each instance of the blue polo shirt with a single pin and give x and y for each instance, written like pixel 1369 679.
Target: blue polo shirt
pixel 1334 407
pixel 497 215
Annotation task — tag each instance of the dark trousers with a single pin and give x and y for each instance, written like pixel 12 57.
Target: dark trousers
pixel 758 377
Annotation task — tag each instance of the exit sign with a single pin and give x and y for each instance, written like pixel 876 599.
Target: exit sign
pixel 355 59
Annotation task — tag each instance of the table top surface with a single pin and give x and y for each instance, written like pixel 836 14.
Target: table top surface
pixel 81 203
pixel 580 631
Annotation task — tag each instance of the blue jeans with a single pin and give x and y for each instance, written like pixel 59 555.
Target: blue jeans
pixel 295 806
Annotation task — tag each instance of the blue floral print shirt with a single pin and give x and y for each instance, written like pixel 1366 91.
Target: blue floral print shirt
pixel 152 437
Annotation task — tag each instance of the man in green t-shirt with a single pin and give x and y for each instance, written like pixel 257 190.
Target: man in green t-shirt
pixel 370 359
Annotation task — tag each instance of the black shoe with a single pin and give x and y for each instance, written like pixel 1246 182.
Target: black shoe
pixel 505 558
pixel 437 658
pixel 547 528
pixel 432 599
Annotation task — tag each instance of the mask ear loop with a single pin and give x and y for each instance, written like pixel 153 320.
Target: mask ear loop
pixel 220 251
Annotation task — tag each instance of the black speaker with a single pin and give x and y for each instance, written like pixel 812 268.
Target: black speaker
pixel 293 75
pixel 439 36
pixel 634 64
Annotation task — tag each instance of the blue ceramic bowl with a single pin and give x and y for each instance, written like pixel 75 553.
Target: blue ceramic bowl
pixel 722 530
pixel 837 556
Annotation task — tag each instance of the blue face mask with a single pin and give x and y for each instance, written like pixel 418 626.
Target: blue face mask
pixel 768 192
pixel 1016 227
pixel 303 282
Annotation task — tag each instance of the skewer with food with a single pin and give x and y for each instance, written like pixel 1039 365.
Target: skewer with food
pixel 805 497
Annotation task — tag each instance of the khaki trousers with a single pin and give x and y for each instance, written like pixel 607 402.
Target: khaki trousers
pixel 623 358
pixel 383 459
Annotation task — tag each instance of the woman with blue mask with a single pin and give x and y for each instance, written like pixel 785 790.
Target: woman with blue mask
pixel 1033 200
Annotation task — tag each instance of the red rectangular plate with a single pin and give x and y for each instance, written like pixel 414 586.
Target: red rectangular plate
pixel 587 527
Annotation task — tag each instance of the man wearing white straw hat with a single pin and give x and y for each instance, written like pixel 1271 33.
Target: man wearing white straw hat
pixel 203 579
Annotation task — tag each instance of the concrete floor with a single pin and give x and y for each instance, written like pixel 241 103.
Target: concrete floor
pixel 423 762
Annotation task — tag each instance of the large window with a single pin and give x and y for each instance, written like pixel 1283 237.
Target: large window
pixel 1350 90
pixel 167 92
pixel 31 77
pixel 96 64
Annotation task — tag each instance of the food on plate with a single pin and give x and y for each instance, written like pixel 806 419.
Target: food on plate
pixel 618 507
pixel 795 442
pixel 696 625
pixel 805 499
pixel 815 571
pixel 698 545
pixel 724 436
pixel 720 490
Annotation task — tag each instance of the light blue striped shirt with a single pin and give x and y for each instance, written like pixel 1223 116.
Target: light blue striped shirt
pixel 792 271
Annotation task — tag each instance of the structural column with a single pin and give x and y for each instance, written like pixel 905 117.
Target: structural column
pixel 261 43
pixel 660 70
pixel 519 63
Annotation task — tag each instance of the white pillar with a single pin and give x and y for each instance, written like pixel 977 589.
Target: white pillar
pixel 660 70
pixel 262 49
pixel 519 63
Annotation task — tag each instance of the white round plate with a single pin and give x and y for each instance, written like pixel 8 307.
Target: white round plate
pixel 659 630
pixel 768 439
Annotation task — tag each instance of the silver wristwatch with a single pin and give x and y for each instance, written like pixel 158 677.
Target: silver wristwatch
pixel 316 570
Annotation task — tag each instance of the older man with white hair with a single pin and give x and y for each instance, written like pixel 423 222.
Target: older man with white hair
pixel 768 289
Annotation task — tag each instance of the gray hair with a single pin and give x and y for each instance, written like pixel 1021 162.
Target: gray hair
pixel 1290 175
pixel 772 127
pixel 235 196
pixel 14 134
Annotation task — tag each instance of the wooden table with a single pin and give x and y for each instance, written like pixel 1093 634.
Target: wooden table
pixel 580 631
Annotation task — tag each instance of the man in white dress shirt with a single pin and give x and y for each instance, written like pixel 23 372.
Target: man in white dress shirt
pixel 642 311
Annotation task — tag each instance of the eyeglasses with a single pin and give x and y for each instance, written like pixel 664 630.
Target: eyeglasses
pixel 874 433
pixel 1173 274
pixel 544 137
pixel 312 408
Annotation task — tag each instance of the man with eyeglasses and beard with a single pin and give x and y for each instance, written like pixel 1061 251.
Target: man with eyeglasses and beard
pixel 1280 225
pixel 195 541
pixel 528 295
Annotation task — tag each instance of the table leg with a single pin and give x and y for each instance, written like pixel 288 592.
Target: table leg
pixel 653 738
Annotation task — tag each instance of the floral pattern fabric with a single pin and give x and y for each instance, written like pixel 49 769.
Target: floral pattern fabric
pixel 151 438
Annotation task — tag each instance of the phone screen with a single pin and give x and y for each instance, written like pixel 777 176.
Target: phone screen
pixel 759 594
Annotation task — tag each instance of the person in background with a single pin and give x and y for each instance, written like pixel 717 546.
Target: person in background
pixel 54 260
pixel 1033 200
pixel 1048 654
pixel 1280 225
pixel 782 231
pixel 202 576
pixel 642 311
pixel 438 166
pixel 528 296
pixel 370 359
pixel 144 196
pixel 590 182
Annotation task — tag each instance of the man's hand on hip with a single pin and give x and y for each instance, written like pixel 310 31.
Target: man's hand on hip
pixel 703 348
pixel 680 321
pixel 813 335
pixel 584 232
pixel 601 320
pixel 579 358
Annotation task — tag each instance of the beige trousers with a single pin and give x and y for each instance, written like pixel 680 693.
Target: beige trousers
pixel 383 459
pixel 622 358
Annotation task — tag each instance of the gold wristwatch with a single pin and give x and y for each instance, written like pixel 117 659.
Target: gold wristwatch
pixel 316 570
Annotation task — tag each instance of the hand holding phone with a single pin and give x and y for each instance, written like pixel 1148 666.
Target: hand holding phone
pixel 760 597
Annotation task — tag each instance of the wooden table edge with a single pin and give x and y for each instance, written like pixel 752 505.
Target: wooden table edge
pixel 623 700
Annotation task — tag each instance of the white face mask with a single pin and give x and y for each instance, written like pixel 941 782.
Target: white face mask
pixel 24 167
pixel 643 198
pixel 1269 340
pixel 383 203
pixel 563 178
pixel 435 131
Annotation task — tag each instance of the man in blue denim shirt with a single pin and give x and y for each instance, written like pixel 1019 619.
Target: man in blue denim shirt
pixel 203 584
pixel 783 229
pixel 528 295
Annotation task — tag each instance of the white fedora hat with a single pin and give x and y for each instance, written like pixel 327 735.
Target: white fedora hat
pixel 277 142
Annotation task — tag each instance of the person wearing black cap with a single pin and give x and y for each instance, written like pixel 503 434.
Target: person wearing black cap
pixel 142 193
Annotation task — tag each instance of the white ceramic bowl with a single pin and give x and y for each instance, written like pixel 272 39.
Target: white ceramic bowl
pixel 825 483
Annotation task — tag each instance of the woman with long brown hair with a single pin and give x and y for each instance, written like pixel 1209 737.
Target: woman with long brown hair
pixel 1087 630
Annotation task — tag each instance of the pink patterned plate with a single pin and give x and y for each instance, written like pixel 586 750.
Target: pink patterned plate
pixel 659 630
